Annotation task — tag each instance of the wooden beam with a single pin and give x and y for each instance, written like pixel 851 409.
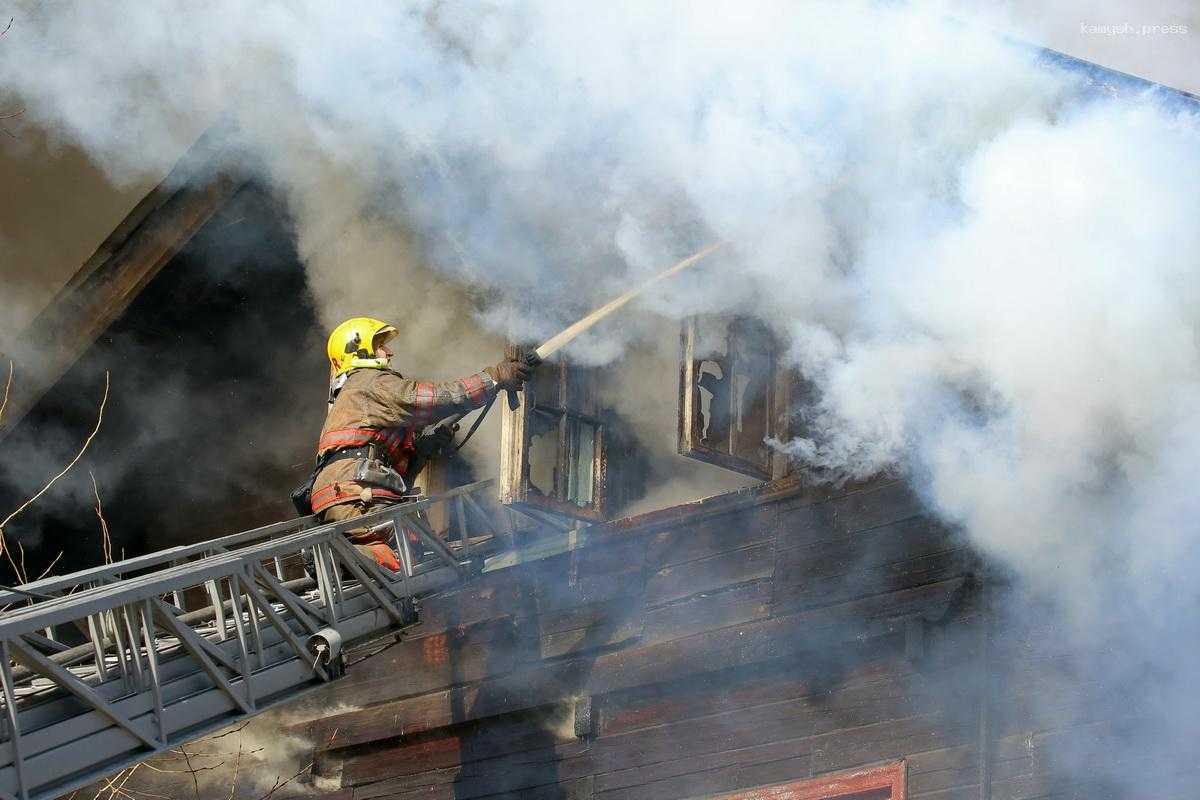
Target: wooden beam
pixel 151 235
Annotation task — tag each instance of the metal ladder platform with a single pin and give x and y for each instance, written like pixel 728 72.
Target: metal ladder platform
pixel 104 668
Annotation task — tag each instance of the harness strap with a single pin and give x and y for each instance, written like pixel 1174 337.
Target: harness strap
pixel 345 454
pixel 393 441
pixel 478 421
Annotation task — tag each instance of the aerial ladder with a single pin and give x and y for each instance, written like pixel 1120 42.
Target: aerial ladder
pixel 105 667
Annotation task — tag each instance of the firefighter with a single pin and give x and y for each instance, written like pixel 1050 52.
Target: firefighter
pixel 371 445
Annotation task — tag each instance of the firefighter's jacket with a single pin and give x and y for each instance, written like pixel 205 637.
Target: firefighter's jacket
pixel 382 408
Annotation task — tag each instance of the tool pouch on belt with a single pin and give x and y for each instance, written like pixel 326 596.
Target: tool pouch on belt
pixel 372 472
pixel 302 495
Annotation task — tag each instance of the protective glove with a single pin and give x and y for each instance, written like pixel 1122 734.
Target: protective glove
pixel 509 374
pixel 436 441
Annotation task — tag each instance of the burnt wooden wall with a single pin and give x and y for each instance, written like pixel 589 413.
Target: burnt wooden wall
pixel 767 636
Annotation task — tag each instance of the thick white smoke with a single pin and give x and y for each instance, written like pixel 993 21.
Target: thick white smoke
pixel 991 279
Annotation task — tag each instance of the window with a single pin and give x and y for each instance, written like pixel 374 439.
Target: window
pixel 553 444
pixel 733 395
pixel 885 782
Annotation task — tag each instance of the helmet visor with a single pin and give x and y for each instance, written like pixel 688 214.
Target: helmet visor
pixel 382 337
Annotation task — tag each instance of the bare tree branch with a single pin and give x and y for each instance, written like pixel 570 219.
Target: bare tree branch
pixel 21 573
pixel 280 784
pixel 7 388
pixel 87 443
pixel 148 794
pixel 13 135
pixel 237 768
pixel 46 571
pixel 166 771
pixel 195 783
pixel 114 788
pixel 238 729
pixel 105 536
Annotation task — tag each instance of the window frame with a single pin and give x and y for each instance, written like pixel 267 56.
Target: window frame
pixel 516 488
pixel 690 424
pixel 892 776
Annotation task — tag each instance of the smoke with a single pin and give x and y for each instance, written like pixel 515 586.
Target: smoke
pixel 261 756
pixel 1034 365
pixel 988 273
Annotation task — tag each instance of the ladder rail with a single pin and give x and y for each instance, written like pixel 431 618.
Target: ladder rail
pixel 119 569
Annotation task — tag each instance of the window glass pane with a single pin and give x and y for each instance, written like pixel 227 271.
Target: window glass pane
pixel 545 384
pixel 543 451
pixel 581 390
pixel 750 365
pixel 713 403
pixel 712 389
pixel 581 478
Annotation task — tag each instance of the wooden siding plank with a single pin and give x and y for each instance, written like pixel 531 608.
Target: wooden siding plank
pixel 649 774
pixel 589 589
pixel 500 594
pixel 882 580
pixel 887 544
pixel 719 779
pixel 535 786
pixel 615 558
pixel 884 740
pixel 809 717
pixel 610 625
pixel 712 536
pixel 750 601
pixel 730 690
pixel 840 516
pixel 709 574
pixel 957 793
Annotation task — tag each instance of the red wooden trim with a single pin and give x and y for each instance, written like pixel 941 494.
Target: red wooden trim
pixel 830 787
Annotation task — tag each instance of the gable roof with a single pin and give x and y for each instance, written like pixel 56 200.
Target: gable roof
pixel 104 286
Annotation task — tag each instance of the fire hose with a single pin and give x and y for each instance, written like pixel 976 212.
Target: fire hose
pixel 569 334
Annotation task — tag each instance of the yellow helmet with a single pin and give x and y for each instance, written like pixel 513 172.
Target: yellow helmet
pixel 352 345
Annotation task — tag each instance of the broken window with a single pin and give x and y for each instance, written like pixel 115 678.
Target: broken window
pixel 553 444
pixel 733 395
